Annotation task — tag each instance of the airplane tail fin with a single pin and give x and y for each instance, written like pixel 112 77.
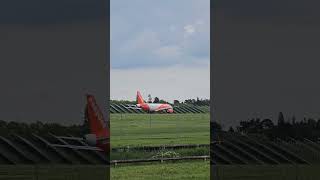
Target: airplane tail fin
pixel 139 98
pixel 97 123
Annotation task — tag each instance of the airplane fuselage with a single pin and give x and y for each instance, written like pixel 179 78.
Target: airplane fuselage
pixel 153 107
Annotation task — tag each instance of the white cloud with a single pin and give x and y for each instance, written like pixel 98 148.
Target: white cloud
pixel 189 29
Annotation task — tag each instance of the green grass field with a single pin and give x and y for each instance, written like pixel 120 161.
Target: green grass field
pixel 54 172
pixel 266 172
pixel 138 130
pixel 177 171
pixel 200 151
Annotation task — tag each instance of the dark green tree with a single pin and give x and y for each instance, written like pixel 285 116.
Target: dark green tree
pixel 176 102
pixel 156 100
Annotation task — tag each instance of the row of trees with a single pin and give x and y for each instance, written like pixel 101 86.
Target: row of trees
pixel 122 102
pixel 304 128
pixel 156 100
pixel 198 101
pixel 41 128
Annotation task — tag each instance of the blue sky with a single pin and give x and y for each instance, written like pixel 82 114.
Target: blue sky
pixel 151 39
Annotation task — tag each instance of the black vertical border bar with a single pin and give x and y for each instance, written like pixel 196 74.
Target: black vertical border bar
pixel 107 15
pixel 211 84
pixel 213 51
pixel 107 5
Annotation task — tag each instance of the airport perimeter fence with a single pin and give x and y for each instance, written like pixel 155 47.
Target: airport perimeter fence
pixel 265 172
pixel 54 172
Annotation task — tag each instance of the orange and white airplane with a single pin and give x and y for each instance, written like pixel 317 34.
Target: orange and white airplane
pixel 99 131
pixel 151 107
pixel 98 138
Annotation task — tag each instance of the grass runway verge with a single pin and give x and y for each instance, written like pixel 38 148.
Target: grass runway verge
pixel 138 130
pixel 155 171
pixel 200 151
pixel 162 129
pixel 266 172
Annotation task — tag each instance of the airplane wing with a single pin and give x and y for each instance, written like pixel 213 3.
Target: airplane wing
pixel 92 148
pixel 161 109
pixel 132 106
pixel 70 138
pixel 80 145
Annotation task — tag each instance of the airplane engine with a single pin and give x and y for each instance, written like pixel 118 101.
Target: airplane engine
pixel 91 139
pixel 170 111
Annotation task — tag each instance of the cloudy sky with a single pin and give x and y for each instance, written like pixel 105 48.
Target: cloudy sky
pixel 161 48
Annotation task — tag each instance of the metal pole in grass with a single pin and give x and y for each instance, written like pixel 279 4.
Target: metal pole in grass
pixel 150 119
pixel 179 118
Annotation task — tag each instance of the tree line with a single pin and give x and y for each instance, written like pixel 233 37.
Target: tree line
pixel 285 129
pixel 197 102
pixel 41 128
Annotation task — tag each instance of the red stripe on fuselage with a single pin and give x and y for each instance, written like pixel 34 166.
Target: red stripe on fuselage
pixel 161 106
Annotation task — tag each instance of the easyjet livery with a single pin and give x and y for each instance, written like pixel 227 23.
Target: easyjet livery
pixel 99 131
pixel 152 107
